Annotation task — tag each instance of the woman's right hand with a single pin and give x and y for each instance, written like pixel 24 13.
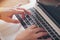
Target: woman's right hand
pixel 31 33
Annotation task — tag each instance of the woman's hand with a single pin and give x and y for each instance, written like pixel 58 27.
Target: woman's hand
pixel 32 33
pixel 7 15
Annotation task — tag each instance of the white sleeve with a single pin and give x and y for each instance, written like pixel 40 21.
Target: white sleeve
pixel 1 38
pixel 8 31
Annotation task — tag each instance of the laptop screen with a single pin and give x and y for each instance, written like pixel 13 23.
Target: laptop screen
pixel 53 11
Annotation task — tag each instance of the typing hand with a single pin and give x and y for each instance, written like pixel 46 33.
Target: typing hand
pixel 31 33
pixel 7 15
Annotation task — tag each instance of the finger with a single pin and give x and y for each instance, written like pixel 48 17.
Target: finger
pixel 32 27
pixel 26 11
pixel 7 19
pixel 19 5
pixel 41 34
pixel 18 12
pixel 23 16
pixel 21 12
pixel 38 30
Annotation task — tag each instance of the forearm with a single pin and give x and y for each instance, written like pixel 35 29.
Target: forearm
pixel 3 10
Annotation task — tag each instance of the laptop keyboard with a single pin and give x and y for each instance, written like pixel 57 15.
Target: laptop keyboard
pixel 37 19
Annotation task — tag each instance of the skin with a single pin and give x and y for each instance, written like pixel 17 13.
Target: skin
pixel 8 3
pixel 7 15
pixel 31 33
pixel 12 3
pixel 26 34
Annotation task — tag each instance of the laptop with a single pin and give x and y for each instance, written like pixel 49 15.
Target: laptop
pixel 43 16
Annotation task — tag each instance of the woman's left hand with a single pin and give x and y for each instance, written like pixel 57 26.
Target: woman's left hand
pixel 7 15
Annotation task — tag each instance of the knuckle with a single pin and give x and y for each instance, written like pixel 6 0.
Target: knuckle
pixel 30 30
pixel 35 36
